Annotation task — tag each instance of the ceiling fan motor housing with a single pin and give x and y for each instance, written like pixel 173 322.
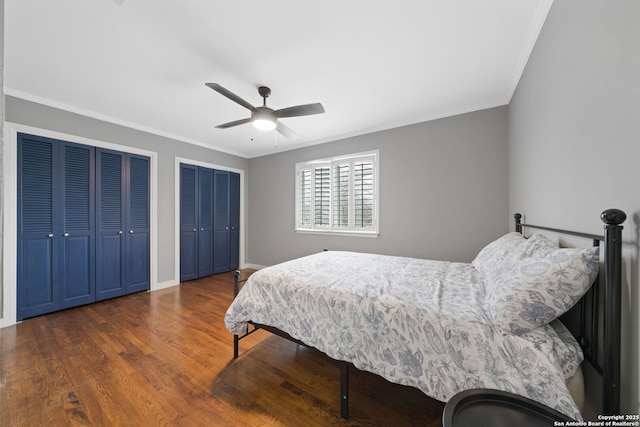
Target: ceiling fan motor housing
pixel 264 91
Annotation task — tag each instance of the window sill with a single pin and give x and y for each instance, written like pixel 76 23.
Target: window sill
pixel 350 233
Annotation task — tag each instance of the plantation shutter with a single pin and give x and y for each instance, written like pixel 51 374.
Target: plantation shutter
pixel 338 195
pixel 363 194
pixel 341 195
pixel 304 212
pixel 322 187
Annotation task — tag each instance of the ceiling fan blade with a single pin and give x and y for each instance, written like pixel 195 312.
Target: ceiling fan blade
pixel 300 110
pixel 234 123
pixel 284 130
pixel 232 96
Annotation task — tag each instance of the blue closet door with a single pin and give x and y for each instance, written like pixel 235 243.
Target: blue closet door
pixel 110 250
pixel 78 225
pixel 38 287
pixel 137 254
pixel 123 250
pixel 74 201
pixel 234 221
pixel 188 222
pixel 56 228
pixel 196 222
pixel 221 224
pixel 205 222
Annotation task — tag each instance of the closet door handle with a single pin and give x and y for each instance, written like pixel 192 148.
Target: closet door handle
pixel 120 232
pixel 202 229
pixel 130 231
pixel 194 230
pixel 50 235
pixel 66 234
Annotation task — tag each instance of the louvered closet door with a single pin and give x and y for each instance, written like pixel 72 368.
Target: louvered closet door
pixel 188 222
pixel 221 224
pixel 196 222
pixel 38 288
pixel 78 216
pixel 234 221
pixel 137 224
pixel 205 221
pixel 110 224
pixel 123 251
pixel 56 254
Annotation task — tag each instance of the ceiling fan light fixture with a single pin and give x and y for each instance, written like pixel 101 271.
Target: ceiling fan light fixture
pixel 264 123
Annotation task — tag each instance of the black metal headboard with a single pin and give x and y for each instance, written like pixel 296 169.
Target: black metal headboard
pixel 605 305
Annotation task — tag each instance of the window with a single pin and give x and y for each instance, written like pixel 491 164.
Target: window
pixel 338 195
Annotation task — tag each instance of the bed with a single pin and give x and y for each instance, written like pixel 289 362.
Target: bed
pixel 445 327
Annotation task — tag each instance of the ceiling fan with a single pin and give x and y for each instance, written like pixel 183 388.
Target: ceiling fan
pixel 265 118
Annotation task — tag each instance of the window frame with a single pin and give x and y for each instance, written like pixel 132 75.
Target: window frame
pixel 308 169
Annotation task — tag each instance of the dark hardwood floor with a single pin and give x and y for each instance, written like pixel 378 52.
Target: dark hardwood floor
pixel 164 358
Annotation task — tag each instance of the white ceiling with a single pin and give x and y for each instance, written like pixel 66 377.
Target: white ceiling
pixel 373 64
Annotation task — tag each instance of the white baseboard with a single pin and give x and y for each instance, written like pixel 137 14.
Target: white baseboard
pixel 6 322
pixel 164 285
pixel 254 266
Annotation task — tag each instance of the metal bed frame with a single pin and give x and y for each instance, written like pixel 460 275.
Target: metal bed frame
pixel 595 305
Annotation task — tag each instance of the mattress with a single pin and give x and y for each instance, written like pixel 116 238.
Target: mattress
pixel 421 323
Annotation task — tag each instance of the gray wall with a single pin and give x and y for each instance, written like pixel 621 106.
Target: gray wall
pixel 574 138
pixel 443 191
pixel 43 117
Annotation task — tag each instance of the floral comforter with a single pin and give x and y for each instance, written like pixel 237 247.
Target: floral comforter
pixel 415 322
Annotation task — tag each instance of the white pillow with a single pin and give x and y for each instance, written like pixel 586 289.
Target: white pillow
pixel 540 284
pixel 493 256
